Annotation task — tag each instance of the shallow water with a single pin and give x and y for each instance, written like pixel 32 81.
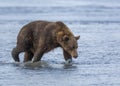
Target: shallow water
pixel 98 24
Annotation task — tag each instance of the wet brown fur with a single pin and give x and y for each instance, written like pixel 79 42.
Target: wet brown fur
pixel 39 37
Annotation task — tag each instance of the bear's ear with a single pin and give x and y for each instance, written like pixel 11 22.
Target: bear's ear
pixel 77 37
pixel 59 36
pixel 65 38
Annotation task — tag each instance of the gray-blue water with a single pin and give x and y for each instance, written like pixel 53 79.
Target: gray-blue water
pixel 96 21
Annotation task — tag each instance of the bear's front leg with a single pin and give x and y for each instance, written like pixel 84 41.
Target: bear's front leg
pixel 28 56
pixel 67 57
pixel 38 55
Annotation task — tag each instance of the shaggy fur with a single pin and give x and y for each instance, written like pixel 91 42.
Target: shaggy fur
pixel 39 37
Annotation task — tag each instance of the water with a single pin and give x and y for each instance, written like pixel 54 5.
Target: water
pixel 98 23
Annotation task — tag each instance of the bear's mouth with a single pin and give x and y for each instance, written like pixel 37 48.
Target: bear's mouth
pixel 75 56
pixel 74 53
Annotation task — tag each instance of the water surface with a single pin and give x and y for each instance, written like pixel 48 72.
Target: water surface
pixel 98 24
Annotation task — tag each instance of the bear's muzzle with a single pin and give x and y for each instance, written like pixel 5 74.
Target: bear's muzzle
pixel 74 53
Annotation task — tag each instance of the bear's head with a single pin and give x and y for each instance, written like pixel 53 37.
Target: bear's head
pixel 68 42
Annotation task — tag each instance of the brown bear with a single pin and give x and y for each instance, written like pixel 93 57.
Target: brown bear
pixel 39 37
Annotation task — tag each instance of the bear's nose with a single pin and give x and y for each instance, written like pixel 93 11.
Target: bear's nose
pixel 74 53
pixel 75 56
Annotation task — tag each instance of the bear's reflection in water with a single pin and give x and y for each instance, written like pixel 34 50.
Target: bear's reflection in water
pixel 45 64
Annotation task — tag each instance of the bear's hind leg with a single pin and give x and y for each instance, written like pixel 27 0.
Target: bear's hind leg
pixel 15 54
pixel 28 56
pixel 16 51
